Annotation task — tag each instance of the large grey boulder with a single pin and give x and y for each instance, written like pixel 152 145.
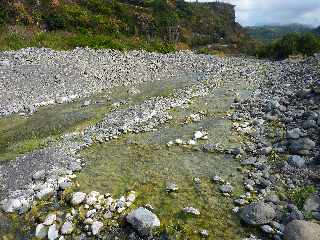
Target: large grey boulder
pixel 257 213
pixel 312 204
pixel 294 133
pixel 302 230
pixel 301 146
pixel 143 220
pixel 296 161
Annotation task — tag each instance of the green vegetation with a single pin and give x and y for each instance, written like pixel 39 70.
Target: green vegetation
pixel 19 135
pixel 300 195
pixel 60 40
pixel 153 25
pixel 290 45
pixel 268 34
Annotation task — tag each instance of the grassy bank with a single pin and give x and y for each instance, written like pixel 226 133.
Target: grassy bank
pixel 14 38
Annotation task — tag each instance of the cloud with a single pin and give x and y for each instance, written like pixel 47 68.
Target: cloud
pixel 259 12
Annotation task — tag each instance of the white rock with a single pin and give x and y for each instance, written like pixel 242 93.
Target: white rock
pixel 178 141
pixel 267 229
pixel 77 198
pixel 64 183
pixel 96 227
pixel 191 142
pixel 88 221
pixel 39 175
pixel 45 192
pixel 11 205
pixel 191 210
pixel 235 209
pixel 91 213
pixel 53 232
pixel 92 198
pixel 195 117
pixel 198 135
pixel 41 231
pixel 143 220
pixel 131 196
pixel 50 219
pixel 109 201
pixel 67 228
pixel 217 179
pixel 170 143
pixel 61 100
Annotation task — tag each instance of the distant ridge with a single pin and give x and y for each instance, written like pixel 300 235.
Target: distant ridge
pixel 268 33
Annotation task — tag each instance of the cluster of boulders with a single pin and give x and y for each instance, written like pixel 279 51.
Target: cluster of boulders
pixel 44 185
pixel 282 121
pixel 86 217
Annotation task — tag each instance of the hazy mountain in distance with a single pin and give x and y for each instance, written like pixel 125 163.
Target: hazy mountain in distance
pixel 317 31
pixel 269 33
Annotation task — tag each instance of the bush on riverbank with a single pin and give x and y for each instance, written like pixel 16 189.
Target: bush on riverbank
pixel 292 44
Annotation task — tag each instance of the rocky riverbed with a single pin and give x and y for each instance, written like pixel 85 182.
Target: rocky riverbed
pixel 193 146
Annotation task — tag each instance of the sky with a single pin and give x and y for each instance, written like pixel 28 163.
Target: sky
pixel 266 12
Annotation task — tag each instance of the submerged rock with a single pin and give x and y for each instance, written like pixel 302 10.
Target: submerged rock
pixel 143 220
pixel 191 210
pixel 172 187
pixel 227 188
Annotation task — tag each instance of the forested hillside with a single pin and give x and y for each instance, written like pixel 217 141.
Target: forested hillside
pixel 155 25
pixel 269 33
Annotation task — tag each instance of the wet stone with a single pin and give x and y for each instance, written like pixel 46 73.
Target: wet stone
pixel 143 220
pixel 171 187
pixel 191 210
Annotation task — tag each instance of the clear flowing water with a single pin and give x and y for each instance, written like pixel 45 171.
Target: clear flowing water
pixel 142 162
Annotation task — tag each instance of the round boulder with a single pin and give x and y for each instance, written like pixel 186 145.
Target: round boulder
pixel 143 220
pixel 257 214
pixel 302 230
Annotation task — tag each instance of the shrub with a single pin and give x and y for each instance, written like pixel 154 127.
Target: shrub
pixel 291 44
pixel 300 195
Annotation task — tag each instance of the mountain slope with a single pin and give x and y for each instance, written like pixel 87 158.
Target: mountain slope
pixel 316 31
pixel 270 33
